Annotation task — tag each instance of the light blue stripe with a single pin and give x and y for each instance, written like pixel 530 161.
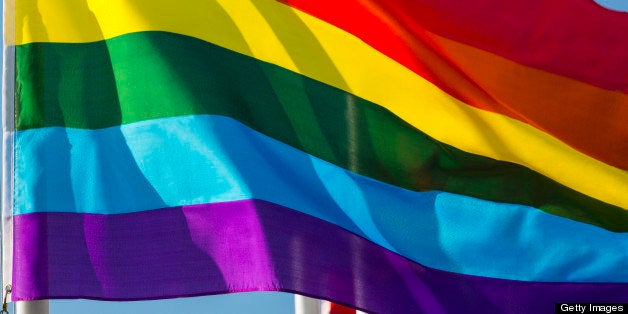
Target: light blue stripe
pixel 202 159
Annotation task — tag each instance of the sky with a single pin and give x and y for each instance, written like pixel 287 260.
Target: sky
pixel 250 302
pixel 237 303
pixel 617 5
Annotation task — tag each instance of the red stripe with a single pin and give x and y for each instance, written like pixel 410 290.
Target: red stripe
pixel 574 38
pixel 336 308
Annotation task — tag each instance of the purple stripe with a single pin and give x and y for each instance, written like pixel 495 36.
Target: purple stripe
pixel 250 246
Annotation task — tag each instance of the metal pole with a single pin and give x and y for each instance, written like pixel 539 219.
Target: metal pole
pixel 32 307
pixel 306 305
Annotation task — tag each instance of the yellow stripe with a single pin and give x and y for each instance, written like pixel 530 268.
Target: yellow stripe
pixel 272 32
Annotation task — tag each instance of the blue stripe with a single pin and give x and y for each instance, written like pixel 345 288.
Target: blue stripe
pixel 204 159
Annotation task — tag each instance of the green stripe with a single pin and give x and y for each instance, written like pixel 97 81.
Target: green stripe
pixel 150 75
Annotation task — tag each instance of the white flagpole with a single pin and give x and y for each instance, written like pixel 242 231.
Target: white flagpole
pixel 6 170
pixel 32 307
pixel 8 85
pixel 306 305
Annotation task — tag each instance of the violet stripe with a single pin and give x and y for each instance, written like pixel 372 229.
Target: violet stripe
pixel 254 245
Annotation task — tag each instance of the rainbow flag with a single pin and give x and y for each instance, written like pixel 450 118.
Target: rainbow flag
pixel 393 156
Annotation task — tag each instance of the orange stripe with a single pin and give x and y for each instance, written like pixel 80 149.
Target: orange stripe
pixel 588 118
